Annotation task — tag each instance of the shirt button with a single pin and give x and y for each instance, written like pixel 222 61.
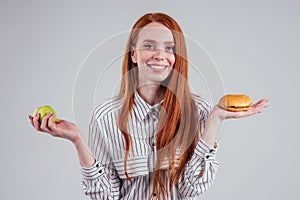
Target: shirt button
pixel 100 171
pixel 207 157
pixel 97 165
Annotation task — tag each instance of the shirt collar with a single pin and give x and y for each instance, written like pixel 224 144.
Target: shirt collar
pixel 141 108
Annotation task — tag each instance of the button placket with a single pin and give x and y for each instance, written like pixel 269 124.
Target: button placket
pixel 154 114
pixel 154 143
pixel 152 153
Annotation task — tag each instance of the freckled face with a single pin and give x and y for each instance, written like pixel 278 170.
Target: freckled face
pixel 154 53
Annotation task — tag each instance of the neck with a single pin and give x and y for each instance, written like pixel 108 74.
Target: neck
pixel 151 93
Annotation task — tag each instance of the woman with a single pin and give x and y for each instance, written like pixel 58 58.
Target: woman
pixel 155 140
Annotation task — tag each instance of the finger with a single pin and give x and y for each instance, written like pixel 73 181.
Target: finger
pixel 253 112
pixel 44 124
pixel 261 105
pixel 51 124
pixel 36 122
pixel 30 119
pixel 260 102
pixel 257 108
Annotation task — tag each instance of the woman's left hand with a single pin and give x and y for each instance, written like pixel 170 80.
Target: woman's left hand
pixel 218 114
pixel 256 108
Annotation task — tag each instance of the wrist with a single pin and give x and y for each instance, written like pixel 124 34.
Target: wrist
pixel 85 156
pixel 78 141
pixel 212 125
pixel 217 114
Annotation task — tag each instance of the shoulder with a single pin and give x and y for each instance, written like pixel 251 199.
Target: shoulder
pixel 201 103
pixel 108 107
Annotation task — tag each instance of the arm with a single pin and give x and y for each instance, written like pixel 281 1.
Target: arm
pixel 99 181
pixel 67 130
pixel 200 171
pixel 202 163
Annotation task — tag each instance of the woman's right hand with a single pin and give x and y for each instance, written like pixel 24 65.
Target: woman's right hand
pixel 59 128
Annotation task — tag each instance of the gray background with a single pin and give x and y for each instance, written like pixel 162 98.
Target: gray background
pixel 254 44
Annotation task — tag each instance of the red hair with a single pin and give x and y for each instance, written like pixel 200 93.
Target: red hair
pixel 181 128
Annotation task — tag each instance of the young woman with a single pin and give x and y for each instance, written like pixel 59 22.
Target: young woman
pixel 155 140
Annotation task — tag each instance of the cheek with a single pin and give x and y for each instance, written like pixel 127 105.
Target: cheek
pixel 172 59
pixel 141 57
pixel 144 56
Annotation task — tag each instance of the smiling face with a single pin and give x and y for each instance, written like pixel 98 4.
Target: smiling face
pixel 154 53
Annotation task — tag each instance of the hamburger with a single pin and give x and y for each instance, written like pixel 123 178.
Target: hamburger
pixel 235 102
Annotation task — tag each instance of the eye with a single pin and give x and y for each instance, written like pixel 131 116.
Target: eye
pixel 149 47
pixel 170 49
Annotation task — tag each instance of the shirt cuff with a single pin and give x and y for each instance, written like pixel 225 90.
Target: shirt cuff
pixel 94 172
pixel 204 151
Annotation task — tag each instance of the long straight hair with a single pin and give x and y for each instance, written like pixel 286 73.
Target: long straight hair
pixel 181 128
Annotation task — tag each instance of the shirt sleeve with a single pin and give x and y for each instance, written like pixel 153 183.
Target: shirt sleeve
pixel 101 180
pixel 199 173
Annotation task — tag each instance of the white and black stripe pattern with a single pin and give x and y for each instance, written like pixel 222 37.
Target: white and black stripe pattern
pixel 106 178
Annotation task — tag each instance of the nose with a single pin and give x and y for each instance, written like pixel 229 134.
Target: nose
pixel 158 54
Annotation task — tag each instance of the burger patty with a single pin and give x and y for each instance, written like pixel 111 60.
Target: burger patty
pixel 239 106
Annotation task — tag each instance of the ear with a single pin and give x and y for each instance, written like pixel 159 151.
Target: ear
pixel 133 55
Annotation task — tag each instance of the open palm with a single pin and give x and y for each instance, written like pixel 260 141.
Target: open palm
pixel 256 108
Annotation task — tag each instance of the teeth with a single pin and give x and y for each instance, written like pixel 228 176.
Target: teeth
pixel 157 67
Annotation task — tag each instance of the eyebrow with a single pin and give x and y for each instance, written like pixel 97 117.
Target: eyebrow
pixel 153 41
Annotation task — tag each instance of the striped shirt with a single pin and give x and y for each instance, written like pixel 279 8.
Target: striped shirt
pixel 106 178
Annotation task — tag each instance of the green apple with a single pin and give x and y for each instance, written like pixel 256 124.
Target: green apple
pixel 43 110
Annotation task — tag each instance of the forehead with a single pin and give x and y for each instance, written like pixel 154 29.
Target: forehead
pixel 157 32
